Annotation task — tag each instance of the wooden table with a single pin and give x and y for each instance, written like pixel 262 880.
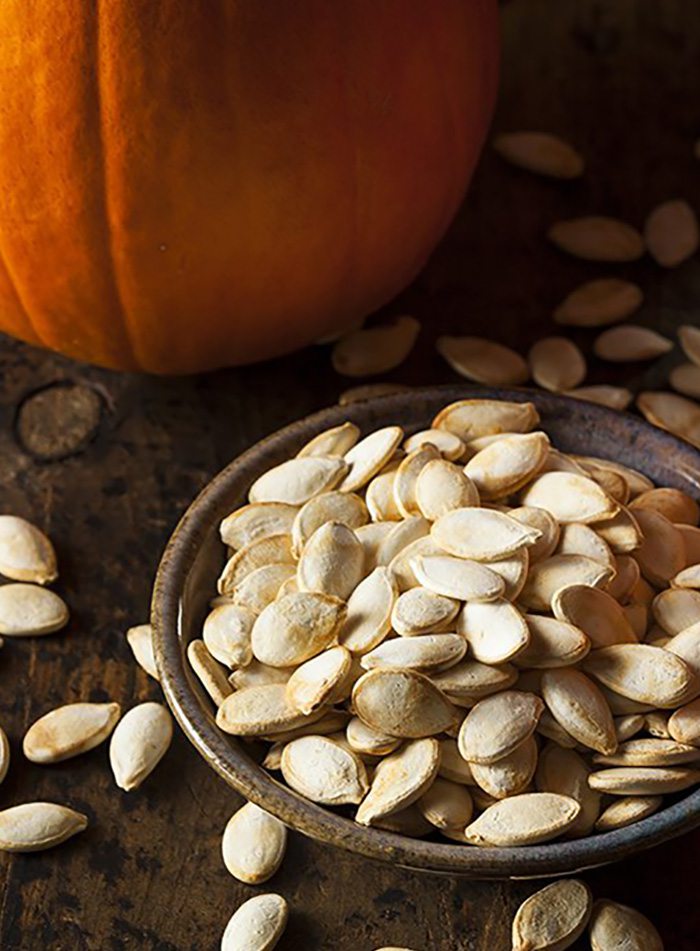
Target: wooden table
pixel 621 80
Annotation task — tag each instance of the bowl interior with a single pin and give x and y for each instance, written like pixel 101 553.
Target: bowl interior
pixel 193 558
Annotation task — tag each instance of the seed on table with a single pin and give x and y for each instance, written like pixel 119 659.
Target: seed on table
pixel 553 918
pixel 26 610
pixel 26 554
pixel 323 771
pixel 483 361
pixel 257 925
pixel 253 844
pixel 370 351
pixel 526 819
pixel 471 418
pixel 399 780
pixel 599 302
pixel 139 742
pixel 671 233
pixel 597 238
pixel 556 364
pixel 211 674
pixel 332 442
pixel 685 379
pixel 35 826
pixel 629 342
pixel 614 926
pixel 140 640
pixel 69 730
pixel 623 812
pixel 541 153
pixel 497 725
pixel 678 415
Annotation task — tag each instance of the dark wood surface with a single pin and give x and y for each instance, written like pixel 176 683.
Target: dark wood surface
pixel 106 464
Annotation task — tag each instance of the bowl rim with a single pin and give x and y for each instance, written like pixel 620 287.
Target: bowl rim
pixel 255 784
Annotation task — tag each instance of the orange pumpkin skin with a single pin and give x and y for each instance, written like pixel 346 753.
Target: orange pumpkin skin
pixel 189 185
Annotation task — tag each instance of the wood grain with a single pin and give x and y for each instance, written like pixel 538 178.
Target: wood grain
pixel 620 80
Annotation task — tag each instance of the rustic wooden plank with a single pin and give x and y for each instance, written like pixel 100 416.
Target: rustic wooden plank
pixel 619 79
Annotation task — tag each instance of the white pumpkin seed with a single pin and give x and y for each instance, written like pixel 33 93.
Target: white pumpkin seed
pixel 579 707
pixel 370 351
pixel 425 652
pixel 685 379
pixel 272 550
pixel 297 627
pixel 401 565
pixel 597 238
pixel 344 508
pixel 332 442
pixel 570 497
pixel 140 640
pixel 526 819
pixel 481 534
pixel 553 918
pixel 615 926
pixel 547 577
pixel 453 766
pixel 139 742
pixel 564 771
pixel 257 925
pixel 623 812
pixel 421 611
pixel 407 476
pixel 26 554
pixel 629 342
pixel 469 419
pixel 671 233
pixel 541 153
pixel 594 612
pixel 298 480
pixel 689 578
pixel 676 609
pixel 457 578
pixel 371 537
pixel 599 302
pixel 261 587
pixel 553 643
pixel 253 844
pixel 365 739
pixel 514 571
pixel 27 610
pixel 662 552
pixel 643 673
pixel 227 632
pixel 380 499
pixel 323 771
pixel 483 361
pixel 546 524
pixel 643 780
pixel 255 521
pixel 686 645
pixel 495 630
pixel 625 582
pixel 402 703
pixel 549 728
pixel 313 683
pixel 508 464
pixel 676 414
pixel 684 724
pixel 577 539
pixel 450 446
pixel 511 774
pixel 211 674
pixel 677 506
pixel 446 805
pixel 650 751
pixel 332 561
pixel 472 680
pixel 400 780
pixel 262 711
pixel 497 725
pixel 319 723
pixel 401 536
pixel 369 456
pixel 556 364
pixel 628 726
pixel 621 532
pixel 69 730
pixel 35 826
pixel 614 397
pixel 369 609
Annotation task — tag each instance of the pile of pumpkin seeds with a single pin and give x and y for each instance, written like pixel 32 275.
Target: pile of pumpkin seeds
pixel 464 631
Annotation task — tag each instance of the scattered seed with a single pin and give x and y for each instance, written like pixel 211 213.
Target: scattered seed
pixel 483 361
pixel 671 233
pixel 596 238
pixel 614 397
pixel 540 152
pixel 553 918
pixel 69 730
pixel 139 742
pixel 26 554
pixel 257 925
pixel 614 926
pixel 140 640
pixel 630 342
pixel 253 844
pixel 599 302
pixel 26 610
pixel 556 364
pixel 374 350
pixel 676 414
pixel 35 826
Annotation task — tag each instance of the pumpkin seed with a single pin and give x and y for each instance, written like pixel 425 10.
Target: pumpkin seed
pixel 27 610
pixel 369 610
pixel 257 925
pixel 227 633
pixel 332 561
pixel 656 723
pixel 344 508
pixel 628 726
pixel 371 537
pixel 688 578
pixel 553 643
pixel 453 766
pixel 676 609
pixel 623 706
pixel 139 742
pixel 594 612
pixel 210 673
pixel 441 487
pixel 369 391
pixel 471 418
pixel 541 153
pixel 628 343
pixel 370 351
pixel 481 534
pixel 614 397
pixel 553 918
pixel 570 498
pixel 496 631
pixel 402 703
pixel 35 826
pixel 511 774
pixel 662 552
pixel 597 238
pixel 526 819
pixel 636 480
pixel 599 302
pixel 691 539
pixel 261 587
pixel 261 711
pixel 399 780
pixel 514 571
pixel 450 446
pixel 644 781
pixel 380 498
pixel 365 739
pixel 253 844
pixel 298 480
pixel 650 751
pixel 319 723
pixel 483 361
pixel 508 464
pixel 556 364
pixel 369 456
pixel 677 506
pixel 401 565
pixel 623 812
pixel 401 536
pixel 547 577
pixel 446 805
pixel 497 725
pixel 297 627
pixel 549 728
pixel 546 524
pixel 685 379
pixel 425 652
pixel 255 521
pixel 408 821
pixel 274 549
pixel 332 442
pixel 69 730
pixel 686 645
pixel 580 708
pixel 643 673
pixel 257 675
pixel 421 611
pixel 671 233
pixel 323 771
pixel 689 339
pixel 621 532
pixel 565 772
pixel 457 578
pixel 472 680
pixel 26 554
pixel 140 640
pixel 312 683
pixel 4 754
pixel 614 926
pixel 676 414
pixel 577 539
pixel 407 476
pixel 625 581
pixel 684 724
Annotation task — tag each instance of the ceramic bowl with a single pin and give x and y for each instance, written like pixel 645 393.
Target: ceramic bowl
pixel 194 556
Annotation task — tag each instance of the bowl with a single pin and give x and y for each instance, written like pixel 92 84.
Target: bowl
pixel 192 561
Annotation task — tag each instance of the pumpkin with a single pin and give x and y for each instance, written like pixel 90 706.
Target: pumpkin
pixel 187 185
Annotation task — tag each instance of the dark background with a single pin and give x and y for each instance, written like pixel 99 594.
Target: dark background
pixel 620 79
